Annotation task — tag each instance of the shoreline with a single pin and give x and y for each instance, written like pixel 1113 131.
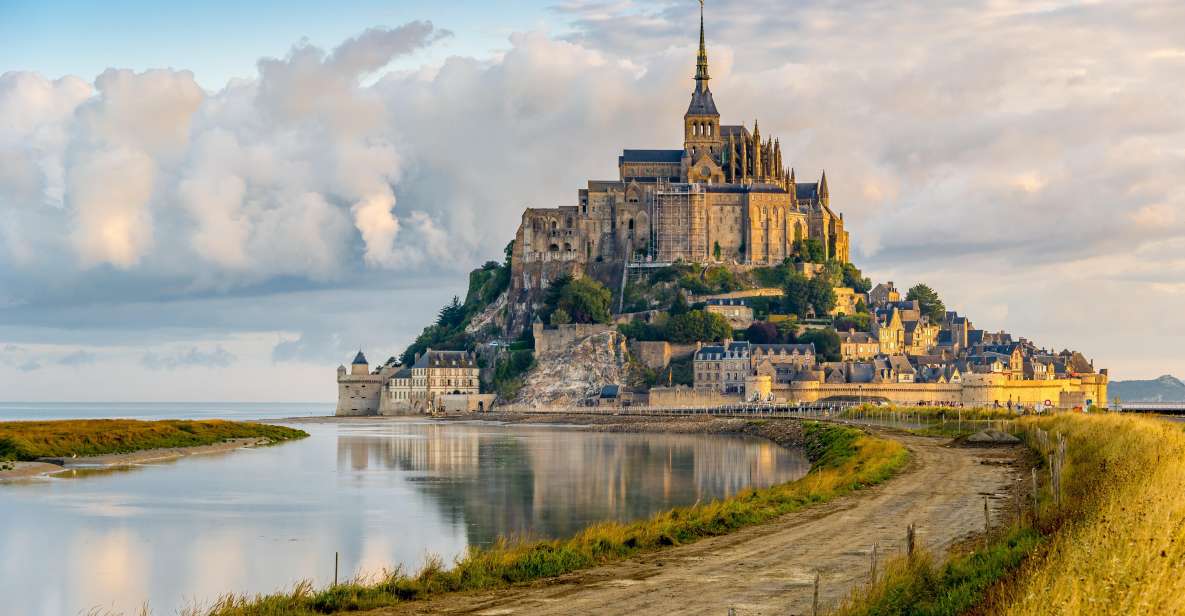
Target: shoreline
pixel 48 467
pixel 659 424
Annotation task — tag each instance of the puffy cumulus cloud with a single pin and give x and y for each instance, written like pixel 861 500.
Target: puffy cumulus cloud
pixel 289 174
pixel 216 357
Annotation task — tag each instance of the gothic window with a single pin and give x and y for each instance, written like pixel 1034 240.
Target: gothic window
pixel 553 248
pixel 569 222
pixel 631 224
pixel 567 247
pixel 553 225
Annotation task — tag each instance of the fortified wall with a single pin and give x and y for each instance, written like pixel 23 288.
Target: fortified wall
pixel 976 390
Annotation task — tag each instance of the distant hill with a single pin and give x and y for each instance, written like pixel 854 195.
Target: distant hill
pixel 1163 389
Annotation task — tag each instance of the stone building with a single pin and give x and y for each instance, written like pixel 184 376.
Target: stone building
pixel 722 368
pixel 438 381
pixel 359 392
pixel 726 196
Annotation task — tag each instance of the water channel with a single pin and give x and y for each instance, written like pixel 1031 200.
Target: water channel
pixel 380 493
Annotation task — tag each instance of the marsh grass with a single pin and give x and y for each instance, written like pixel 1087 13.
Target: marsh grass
pixel 30 440
pixel 920 586
pixel 843 459
pixel 1117 543
pixel 1114 545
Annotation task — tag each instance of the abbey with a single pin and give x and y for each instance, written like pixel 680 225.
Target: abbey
pixel 727 196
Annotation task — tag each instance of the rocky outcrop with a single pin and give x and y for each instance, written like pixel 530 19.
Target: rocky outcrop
pixel 574 374
pixel 493 318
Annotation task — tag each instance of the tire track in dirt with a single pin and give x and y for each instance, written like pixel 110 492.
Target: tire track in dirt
pixel 770 568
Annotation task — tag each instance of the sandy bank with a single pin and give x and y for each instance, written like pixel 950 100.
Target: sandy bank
pixel 50 466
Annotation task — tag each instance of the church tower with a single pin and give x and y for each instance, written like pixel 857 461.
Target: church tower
pixel 701 123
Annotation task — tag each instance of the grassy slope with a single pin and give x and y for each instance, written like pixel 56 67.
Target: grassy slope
pixel 1115 546
pixel 844 459
pixel 29 440
pixel 1119 547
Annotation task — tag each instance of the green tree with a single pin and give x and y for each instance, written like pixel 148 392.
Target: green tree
pixel 560 317
pixel 452 314
pixel 680 305
pixel 826 343
pixel 861 307
pixel 697 325
pixel 822 295
pixel 859 322
pixel 809 250
pixel 833 272
pixel 587 301
pixel 929 301
pixel 855 280
pixel 787 330
pixel 584 299
pixel 796 294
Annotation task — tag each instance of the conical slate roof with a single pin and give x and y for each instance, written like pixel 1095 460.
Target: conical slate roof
pixel 360 359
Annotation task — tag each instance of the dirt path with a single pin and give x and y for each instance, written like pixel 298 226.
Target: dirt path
pixel 770 569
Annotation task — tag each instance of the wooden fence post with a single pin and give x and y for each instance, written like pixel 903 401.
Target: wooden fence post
pixel 1036 516
pixel 872 575
pixel 335 559
pixel 987 517
pixel 910 532
pixel 815 610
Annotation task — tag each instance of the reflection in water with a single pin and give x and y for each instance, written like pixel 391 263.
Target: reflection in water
pixel 548 482
pixel 380 493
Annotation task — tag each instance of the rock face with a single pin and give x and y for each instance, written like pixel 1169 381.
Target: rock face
pixel 572 375
pixel 492 318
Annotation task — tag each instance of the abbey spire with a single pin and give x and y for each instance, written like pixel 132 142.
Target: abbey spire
pixel 701 123
pixel 701 62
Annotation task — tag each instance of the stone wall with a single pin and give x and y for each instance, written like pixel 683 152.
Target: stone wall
pixel 653 355
pixel 556 339
pixel 681 396
pixel 976 390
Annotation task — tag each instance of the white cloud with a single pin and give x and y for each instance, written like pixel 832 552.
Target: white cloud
pixel 983 147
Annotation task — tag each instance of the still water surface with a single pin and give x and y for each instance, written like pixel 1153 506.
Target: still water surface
pixel 381 493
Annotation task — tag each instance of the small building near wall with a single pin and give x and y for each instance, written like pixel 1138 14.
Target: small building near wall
pixel 736 311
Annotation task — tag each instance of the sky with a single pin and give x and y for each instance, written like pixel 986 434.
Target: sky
pixel 224 201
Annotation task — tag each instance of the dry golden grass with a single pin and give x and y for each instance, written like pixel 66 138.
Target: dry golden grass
pixel 1119 544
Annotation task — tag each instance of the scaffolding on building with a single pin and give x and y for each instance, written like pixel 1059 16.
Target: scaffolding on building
pixel 679 222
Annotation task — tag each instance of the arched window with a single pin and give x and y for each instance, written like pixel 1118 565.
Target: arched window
pixel 554 248
pixel 630 224
pixel 553 225
pixel 569 222
pixel 567 247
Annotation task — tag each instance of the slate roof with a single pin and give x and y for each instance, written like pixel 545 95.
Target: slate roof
pixel 651 156
pixel 702 103
pixel 360 359
pixel 610 391
pixel 445 359
pixel 806 190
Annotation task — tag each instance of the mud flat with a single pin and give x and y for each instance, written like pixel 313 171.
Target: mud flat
pixel 50 466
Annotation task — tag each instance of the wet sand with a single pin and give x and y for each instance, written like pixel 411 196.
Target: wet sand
pixel 25 470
